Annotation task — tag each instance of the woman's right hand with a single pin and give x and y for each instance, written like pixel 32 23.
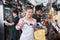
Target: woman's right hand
pixel 20 24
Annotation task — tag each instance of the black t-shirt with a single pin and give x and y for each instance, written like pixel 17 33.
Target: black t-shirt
pixel 15 20
pixel 40 18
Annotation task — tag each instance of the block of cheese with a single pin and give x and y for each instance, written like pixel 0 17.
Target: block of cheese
pixel 40 34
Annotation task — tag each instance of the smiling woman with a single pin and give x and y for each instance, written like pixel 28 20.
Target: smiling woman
pixel 24 24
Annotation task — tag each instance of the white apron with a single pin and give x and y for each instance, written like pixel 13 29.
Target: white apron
pixel 27 33
pixel 28 30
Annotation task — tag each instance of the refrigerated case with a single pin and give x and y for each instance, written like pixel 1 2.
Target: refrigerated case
pixel 7 13
pixel 58 4
pixel 1 23
pixel 37 2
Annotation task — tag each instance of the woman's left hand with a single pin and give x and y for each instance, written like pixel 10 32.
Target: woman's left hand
pixel 35 29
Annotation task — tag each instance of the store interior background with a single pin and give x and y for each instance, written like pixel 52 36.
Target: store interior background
pixel 6 6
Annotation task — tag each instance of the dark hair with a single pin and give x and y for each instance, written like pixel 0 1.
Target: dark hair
pixel 28 7
pixel 15 11
pixel 38 7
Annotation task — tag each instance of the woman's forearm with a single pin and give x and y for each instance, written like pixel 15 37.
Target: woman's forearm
pixel 10 24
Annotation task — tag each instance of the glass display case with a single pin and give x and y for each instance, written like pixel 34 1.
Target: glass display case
pixel 1 23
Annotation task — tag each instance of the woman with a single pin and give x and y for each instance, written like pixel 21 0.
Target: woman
pixel 11 25
pixel 26 24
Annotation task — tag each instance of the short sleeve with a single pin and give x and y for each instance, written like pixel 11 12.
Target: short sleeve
pixel 16 21
pixel 19 26
pixel 34 22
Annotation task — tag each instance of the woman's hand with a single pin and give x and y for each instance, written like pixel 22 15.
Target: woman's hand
pixel 6 23
pixel 35 29
pixel 39 24
pixel 20 25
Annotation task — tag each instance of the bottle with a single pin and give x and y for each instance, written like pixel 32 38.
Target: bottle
pixel 51 15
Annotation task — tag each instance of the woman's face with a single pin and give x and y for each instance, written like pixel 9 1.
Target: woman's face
pixel 29 12
pixel 14 15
